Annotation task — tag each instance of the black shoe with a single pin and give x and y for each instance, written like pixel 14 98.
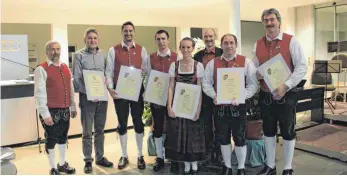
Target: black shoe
pixel 54 171
pixel 123 162
pixel 141 163
pixel 158 165
pixel 104 162
pixel 66 168
pixel 174 167
pixel 287 172
pixel 88 167
pixel 268 171
pixel 227 171
pixel 241 172
pixel 194 172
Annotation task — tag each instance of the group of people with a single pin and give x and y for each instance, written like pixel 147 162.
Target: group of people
pixel 187 141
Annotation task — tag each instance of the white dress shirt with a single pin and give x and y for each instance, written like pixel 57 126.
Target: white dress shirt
pixel 40 76
pixel 109 71
pixel 250 73
pixel 298 59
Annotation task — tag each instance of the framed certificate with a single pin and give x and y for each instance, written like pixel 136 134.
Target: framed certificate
pixel 275 72
pixel 95 86
pixel 129 83
pixel 230 85
pixel 186 100
pixel 157 88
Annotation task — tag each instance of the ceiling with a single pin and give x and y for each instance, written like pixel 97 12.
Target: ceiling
pixel 155 4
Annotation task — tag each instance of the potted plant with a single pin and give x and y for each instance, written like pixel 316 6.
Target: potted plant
pixel 147 115
pixel 254 126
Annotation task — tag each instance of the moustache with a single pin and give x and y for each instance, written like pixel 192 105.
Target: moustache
pixel 270 26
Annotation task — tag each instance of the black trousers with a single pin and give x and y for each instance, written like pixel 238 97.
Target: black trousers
pixel 230 119
pixel 282 111
pixel 122 110
pixel 57 133
pixel 159 114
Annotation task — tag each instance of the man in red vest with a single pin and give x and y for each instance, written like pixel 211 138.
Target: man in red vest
pixel 54 95
pixel 280 104
pixel 230 117
pixel 204 56
pixel 129 54
pixel 160 61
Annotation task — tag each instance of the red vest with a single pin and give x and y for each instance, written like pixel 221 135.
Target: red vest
pixel 239 61
pixel 131 57
pixel 162 64
pixel 268 49
pixel 58 85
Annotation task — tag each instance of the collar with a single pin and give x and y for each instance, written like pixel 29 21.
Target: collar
pixel 279 37
pixel 213 50
pixel 232 58
pixel 168 53
pixel 126 46
pixel 89 50
pixel 49 63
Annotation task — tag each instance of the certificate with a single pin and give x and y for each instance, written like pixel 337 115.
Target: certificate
pixel 275 72
pixel 129 83
pixel 157 88
pixel 186 100
pixel 95 86
pixel 230 85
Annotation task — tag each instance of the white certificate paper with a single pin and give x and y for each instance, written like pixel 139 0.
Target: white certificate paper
pixel 186 100
pixel 95 86
pixel 275 72
pixel 157 88
pixel 129 83
pixel 230 85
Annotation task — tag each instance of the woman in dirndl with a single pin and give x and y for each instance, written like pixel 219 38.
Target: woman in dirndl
pixel 185 137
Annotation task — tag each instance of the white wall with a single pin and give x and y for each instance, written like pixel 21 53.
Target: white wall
pixel 305 35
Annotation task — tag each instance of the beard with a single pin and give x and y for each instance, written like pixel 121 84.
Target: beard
pixel 55 58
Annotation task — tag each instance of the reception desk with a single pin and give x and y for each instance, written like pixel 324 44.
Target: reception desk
pixel 18 114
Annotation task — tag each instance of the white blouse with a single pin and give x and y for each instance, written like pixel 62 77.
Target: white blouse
pixel 200 70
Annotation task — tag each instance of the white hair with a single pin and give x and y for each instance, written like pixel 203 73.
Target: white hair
pixel 49 43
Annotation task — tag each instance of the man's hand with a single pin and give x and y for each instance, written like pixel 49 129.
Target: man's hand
pixel 259 76
pixel 113 93
pixel 280 92
pixel 48 121
pixel 197 114
pixel 96 100
pixel 171 113
pixel 73 114
pixel 105 81
pixel 234 102
pixel 215 100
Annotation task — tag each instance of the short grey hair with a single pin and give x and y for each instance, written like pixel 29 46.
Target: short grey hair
pixel 90 30
pixel 271 11
pixel 49 43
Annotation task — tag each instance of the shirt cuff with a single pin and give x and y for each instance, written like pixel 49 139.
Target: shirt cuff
pixel 110 86
pixel 45 114
pixel 73 108
pixel 288 84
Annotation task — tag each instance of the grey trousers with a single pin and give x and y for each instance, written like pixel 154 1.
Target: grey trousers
pixel 93 113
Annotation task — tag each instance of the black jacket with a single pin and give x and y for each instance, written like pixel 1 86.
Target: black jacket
pixel 199 55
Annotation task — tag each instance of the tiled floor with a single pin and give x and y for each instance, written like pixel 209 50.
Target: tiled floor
pixel 30 161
